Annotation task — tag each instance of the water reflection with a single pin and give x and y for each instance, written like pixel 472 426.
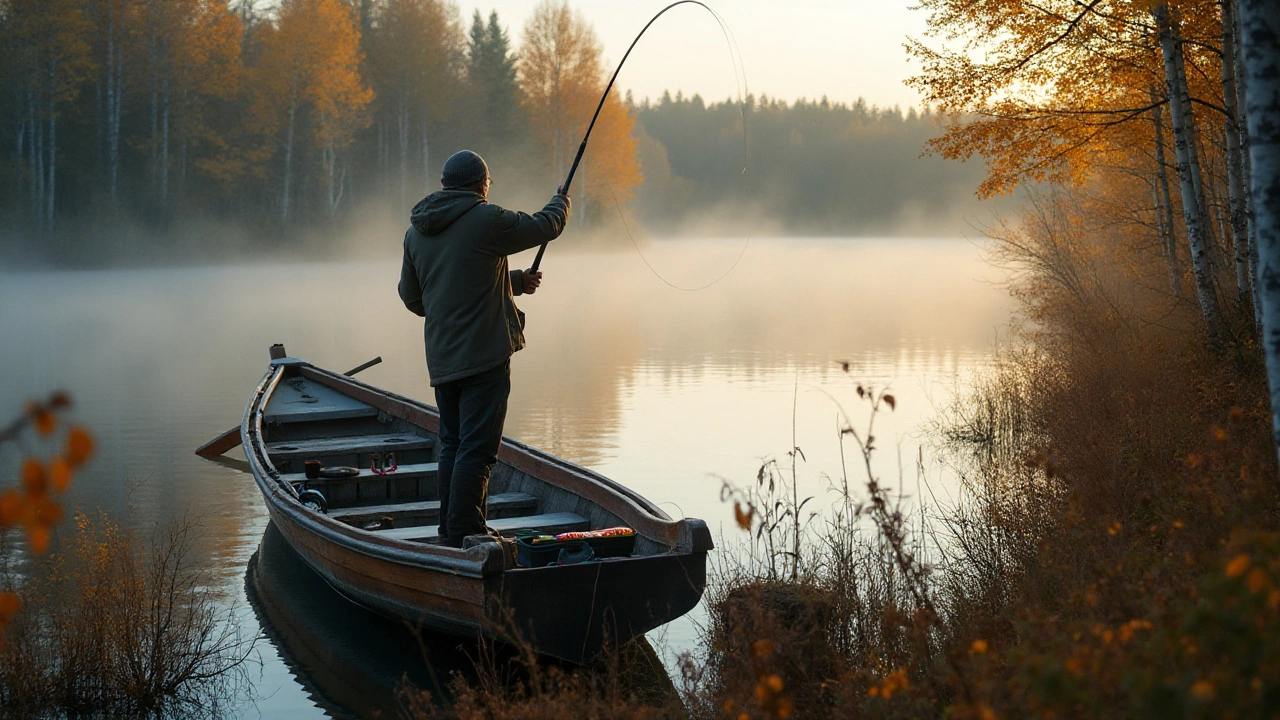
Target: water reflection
pixel 349 659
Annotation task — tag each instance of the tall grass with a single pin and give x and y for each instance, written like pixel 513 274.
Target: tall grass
pixel 115 627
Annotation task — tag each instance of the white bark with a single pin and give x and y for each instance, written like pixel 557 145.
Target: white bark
pixel 53 143
pixel 1260 46
pixel 1188 166
pixel 1235 168
pixel 1242 94
pixel 164 138
pixel 288 153
pixel 1164 204
pixel 402 123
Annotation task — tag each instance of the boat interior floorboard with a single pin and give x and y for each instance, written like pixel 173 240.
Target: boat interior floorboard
pixel 548 523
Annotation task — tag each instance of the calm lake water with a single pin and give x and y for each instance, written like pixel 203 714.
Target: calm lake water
pixel 661 389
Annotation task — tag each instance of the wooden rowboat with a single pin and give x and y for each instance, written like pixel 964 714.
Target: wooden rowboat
pixel 375 542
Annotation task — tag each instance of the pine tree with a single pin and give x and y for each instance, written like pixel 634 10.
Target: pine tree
pixel 491 77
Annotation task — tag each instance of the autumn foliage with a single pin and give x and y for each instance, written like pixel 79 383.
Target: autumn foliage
pixel 34 506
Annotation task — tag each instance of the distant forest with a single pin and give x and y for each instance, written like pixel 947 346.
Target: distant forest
pixel 145 116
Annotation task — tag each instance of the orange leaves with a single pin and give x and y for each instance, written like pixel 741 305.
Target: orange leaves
pixel 562 76
pixel 1238 565
pixel 33 505
pixel 894 683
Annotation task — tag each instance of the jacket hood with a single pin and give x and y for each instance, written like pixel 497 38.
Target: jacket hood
pixel 439 210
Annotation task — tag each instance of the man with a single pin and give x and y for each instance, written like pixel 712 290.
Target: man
pixel 455 275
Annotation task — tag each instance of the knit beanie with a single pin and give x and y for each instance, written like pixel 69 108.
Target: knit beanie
pixel 462 170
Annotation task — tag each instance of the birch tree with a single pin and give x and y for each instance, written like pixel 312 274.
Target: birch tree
pixel 308 93
pixel 52 64
pixel 415 58
pixel 1260 47
pixel 561 78
pixel 1184 149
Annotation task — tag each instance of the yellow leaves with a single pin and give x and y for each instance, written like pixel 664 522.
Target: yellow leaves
pixel 60 474
pixel 743 515
pixel 33 505
pixel 562 77
pixel 79 446
pixel 1203 691
pixel 11 509
pixel 894 683
pixel 1238 565
pixel 979 647
pixel 33 477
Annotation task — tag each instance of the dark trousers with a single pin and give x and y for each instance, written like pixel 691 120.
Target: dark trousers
pixel 472 411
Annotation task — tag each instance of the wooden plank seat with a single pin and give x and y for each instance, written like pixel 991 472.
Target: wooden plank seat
pixel 404 471
pixel 502 505
pixel 548 523
pixel 345 445
pixel 409 482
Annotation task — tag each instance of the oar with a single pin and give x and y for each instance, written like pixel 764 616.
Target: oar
pixel 231 437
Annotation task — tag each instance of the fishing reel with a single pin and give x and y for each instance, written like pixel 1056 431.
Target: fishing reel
pixel 314 500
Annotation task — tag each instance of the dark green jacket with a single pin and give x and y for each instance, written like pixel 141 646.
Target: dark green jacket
pixel 455 275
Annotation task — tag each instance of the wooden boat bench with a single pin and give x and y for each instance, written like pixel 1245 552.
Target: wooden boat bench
pixel 409 481
pixel 353 445
pixel 549 523
pixel 502 505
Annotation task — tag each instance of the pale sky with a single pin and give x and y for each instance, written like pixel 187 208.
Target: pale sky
pixel 843 49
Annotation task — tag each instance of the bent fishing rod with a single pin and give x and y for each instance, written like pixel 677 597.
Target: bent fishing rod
pixel 582 148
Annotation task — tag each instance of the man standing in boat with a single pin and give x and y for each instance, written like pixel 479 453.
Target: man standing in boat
pixel 455 275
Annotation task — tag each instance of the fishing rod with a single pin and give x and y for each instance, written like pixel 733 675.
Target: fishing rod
pixel 582 148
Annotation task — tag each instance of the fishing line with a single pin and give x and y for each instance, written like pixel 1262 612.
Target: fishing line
pixel 654 270
pixel 740 84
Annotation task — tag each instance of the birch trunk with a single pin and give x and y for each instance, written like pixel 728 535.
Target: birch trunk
pixel 115 78
pixel 1164 203
pixel 1242 94
pixel 1260 46
pixel 1235 167
pixel 35 153
pixel 1184 151
pixel 288 153
pixel 402 123
pixel 51 190
pixel 164 139
pixel 154 57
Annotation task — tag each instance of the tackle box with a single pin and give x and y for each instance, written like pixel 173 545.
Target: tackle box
pixel 530 554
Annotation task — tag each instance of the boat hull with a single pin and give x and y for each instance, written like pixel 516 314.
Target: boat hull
pixel 570 612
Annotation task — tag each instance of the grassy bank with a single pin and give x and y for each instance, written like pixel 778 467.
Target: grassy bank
pixel 113 625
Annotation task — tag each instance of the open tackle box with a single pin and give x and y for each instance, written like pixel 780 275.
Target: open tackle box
pixel 534 549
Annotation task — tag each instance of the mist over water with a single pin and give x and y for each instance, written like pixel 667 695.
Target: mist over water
pixel 658 388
